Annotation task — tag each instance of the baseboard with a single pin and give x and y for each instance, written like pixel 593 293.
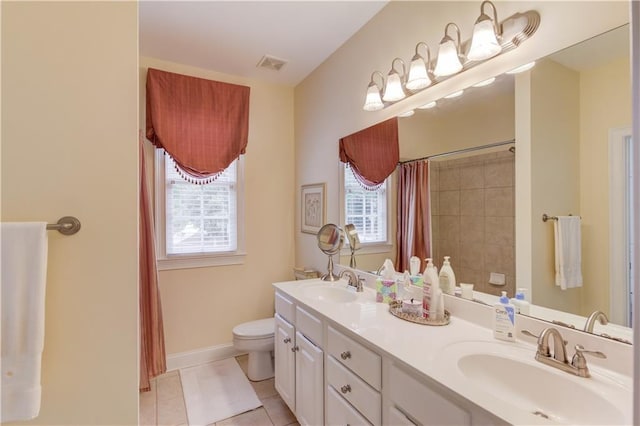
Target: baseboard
pixel 201 356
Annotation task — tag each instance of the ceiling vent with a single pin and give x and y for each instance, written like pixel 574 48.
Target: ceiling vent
pixel 271 63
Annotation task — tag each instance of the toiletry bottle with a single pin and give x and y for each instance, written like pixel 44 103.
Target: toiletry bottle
pixel 436 309
pixel 504 319
pixel 430 277
pixel 447 277
pixel 520 303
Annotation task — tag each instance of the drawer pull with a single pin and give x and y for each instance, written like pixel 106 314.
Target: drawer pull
pixel 295 349
pixel 345 355
pixel 287 340
pixel 345 389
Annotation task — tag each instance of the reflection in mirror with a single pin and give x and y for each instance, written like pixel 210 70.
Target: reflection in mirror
pixel 330 240
pixel 578 111
pixel 354 242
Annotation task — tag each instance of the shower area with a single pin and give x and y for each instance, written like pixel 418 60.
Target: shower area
pixel 473 217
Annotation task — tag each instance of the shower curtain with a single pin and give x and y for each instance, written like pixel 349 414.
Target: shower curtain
pixel 414 214
pixel 152 352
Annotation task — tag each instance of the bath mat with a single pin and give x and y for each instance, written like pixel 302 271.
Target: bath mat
pixel 216 391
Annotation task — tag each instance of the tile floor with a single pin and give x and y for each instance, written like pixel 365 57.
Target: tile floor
pixel 164 404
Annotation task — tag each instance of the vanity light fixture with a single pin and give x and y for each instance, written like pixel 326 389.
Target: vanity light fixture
pixel 486 31
pixel 522 68
pixel 430 105
pixel 490 39
pixel 448 62
pixel 394 90
pixel 418 77
pixel 454 94
pixel 407 113
pixel 485 82
pixel 373 101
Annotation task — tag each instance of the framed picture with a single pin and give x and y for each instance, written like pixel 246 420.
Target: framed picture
pixel 313 208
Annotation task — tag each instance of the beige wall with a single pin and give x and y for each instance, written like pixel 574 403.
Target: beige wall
pixel 202 305
pixel 605 93
pixel 69 147
pixel 328 103
pixel 555 165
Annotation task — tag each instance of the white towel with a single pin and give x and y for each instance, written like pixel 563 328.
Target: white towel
pixel 568 243
pixel 24 273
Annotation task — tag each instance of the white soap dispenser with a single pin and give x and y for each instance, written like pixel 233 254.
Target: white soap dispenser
pixel 504 319
pixel 447 277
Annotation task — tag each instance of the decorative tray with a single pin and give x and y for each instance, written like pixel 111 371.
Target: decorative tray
pixel 395 308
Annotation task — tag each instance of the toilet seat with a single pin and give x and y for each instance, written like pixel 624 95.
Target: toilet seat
pixel 258 329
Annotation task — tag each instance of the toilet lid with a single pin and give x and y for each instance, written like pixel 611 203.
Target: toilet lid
pixel 255 329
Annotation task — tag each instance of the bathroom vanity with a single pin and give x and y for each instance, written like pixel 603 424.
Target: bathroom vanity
pixel 342 358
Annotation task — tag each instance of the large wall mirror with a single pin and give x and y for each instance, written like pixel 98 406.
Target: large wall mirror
pixel 574 110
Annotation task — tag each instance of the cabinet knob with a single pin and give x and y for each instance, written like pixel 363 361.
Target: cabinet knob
pixel 295 349
pixel 345 389
pixel 287 340
pixel 345 355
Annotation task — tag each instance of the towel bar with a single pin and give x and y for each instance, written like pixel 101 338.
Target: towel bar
pixel 67 225
pixel 546 217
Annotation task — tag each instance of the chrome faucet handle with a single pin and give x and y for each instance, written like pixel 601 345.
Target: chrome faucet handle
pixel 360 286
pixel 579 361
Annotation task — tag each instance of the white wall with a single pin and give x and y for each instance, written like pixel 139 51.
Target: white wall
pixel 70 147
pixel 202 305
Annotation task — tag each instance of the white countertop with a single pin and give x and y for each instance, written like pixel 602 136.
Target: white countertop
pixel 421 346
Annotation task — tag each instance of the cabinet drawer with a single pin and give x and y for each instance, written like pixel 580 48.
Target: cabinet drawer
pixel 285 307
pixel 362 396
pixel 364 362
pixel 309 325
pixel 340 412
pixel 423 403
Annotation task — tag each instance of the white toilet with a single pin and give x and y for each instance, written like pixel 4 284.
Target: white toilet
pixel 256 338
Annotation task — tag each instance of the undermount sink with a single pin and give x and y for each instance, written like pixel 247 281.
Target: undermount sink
pixel 511 374
pixel 330 293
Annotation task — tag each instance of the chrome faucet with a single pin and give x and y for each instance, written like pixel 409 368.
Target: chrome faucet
pixel 578 364
pixel 596 315
pixel 353 279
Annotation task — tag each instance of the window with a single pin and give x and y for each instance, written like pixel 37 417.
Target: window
pixel 365 209
pixel 197 225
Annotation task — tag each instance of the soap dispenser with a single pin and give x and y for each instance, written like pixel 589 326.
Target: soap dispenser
pixel 447 277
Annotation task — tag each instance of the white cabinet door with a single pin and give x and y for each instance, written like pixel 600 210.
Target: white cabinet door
pixel 285 360
pixel 309 372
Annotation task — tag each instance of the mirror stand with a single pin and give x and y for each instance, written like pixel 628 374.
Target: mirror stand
pixel 330 276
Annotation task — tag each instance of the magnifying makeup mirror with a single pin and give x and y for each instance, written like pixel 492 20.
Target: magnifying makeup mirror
pixel 330 241
pixel 354 242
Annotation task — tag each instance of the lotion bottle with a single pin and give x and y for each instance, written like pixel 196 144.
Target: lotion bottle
pixel 430 277
pixel 504 319
pixel 447 277
pixel 520 303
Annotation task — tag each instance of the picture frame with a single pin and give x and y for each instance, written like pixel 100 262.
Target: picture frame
pixel 313 207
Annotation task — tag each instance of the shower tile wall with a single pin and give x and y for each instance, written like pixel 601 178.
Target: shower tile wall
pixel 473 218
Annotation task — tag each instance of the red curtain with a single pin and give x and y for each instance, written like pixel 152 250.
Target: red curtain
pixel 152 352
pixel 372 153
pixel 202 124
pixel 414 214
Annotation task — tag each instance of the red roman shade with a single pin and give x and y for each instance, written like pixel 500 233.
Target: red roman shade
pixel 202 124
pixel 372 153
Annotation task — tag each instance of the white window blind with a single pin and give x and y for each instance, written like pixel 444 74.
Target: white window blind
pixel 366 210
pixel 200 219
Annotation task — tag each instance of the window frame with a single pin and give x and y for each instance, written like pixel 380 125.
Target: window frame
pixel 195 260
pixel 370 247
